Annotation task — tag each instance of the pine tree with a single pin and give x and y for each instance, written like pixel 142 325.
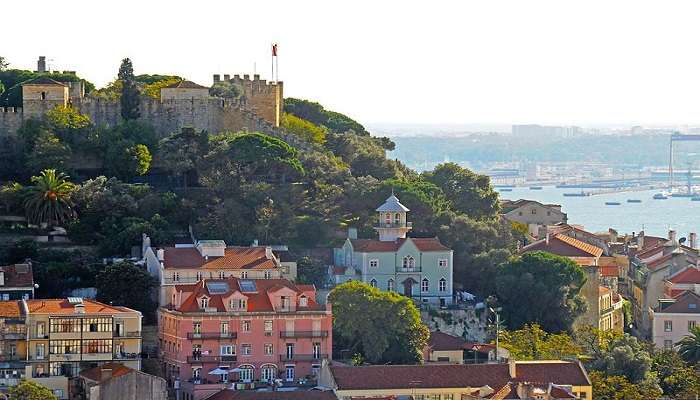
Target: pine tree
pixel 130 93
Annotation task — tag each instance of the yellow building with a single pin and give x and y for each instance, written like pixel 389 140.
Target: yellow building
pixel 66 336
pixel 610 310
pixel 13 344
pixel 548 380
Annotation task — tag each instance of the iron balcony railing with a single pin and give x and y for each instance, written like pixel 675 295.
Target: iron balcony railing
pixel 394 225
pixel 200 359
pixel 134 334
pixel 304 334
pixel 212 335
pixel 303 357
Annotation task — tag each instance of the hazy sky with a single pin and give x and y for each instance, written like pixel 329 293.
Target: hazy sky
pixel 490 61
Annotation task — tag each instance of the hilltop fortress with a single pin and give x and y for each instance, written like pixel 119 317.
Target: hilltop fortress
pixel 185 104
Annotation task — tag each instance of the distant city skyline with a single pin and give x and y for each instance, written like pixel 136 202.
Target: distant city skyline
pixel 510 62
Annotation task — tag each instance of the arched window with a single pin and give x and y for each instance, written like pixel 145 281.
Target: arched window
pixel 204 302
pixel 424 285
pixel 387 218
pixel 268 372
pixel 246 374
pixel 390 285
pixel 442 285
pixel 409 262
pixel 397 218
pixel 373 283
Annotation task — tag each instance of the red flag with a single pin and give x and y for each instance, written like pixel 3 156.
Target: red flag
pixel 274 50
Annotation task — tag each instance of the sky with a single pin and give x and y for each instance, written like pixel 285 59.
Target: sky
pixel 409 62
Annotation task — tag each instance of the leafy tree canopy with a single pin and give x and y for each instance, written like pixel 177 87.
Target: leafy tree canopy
pixel 29 390
pixel 533 343
pixel 128 285
pixel 381 326
pixel 303 128
pixel 316 114
pixel 49 198
pixel 553 283
pixel 618 387
pixel 129 98
pixel 12 79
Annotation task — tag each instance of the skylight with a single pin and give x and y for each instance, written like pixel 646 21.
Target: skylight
pixel 247 285
pixel 217 287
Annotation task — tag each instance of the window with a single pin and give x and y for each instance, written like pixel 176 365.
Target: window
pixel 224 328
pixel 196 373
pixel 289 373
pixel 290 351
pixel 373 283
pixel 101 346
pixel 176 276
pixel 268 326
pixel 199 276
pixel 64 325
pixel 269 349
pixel 390 285
pixel 303 301
pixel 204 302
pixel 317 351
pixel 245 326
pixel 424 285
pixel 443 262
pixel 268 274
pixel 64 347
pixel 246 373
pixel 239 304
pixel 228 350
pixel 43 95
pixel 691 325
pixel 222 275
pixel 40 351
pixel 97 325
pixel 534 211
pixel 374 263
pixel 246 349
pixel 397 218
pixel 40 329
pixel 409 263
pixel 268 372
pixel 668 326
pixel 244 275
pixel 197 327
pixel 442 285
pixel 668 344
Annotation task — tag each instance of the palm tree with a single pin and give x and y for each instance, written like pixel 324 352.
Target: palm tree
pixel 48 200
pixel 689 346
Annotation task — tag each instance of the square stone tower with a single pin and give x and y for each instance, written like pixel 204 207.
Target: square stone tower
pixel 41 95
pixel 264 98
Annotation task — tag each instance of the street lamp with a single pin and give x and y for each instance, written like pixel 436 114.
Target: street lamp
pixel 498 328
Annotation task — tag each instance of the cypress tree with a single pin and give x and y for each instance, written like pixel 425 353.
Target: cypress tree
pixel 130 93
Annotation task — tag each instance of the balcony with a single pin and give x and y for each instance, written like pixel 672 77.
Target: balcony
pixel 11 357
pixel 303 357
pixel 212 335
pixel 134 334
pixel 201 359
pixel 408 270
pixel 394 225
pixel 304 334
pixel 127 356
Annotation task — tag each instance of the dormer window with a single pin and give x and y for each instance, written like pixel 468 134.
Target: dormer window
pixel 222 275
pixel 204 302
pixel 244 275
pixel 268 274
pixel 303 301
pixel 239 304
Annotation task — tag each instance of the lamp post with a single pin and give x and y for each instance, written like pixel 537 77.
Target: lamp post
pixel 498 327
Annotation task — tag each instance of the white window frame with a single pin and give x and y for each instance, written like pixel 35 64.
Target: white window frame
pixel 246 349
pixel 204 302
pixel 269 349
pixel 390 285
pixel 303 301
pixel 442 285
pixel 668 326
pixel 227 350
pixel 374 263
pixel 245 325
pixel 425 285
pixel 443 263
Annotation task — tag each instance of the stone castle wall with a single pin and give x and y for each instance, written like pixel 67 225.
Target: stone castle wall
pixel 10 120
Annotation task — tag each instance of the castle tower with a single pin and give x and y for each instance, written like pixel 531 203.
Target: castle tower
pixel 266 99
pixel 41 95
pixel 392 224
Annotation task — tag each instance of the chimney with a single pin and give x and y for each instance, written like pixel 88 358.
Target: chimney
pixel 546 239
pixel 511 368
pixel 693 240
pixel 160 253
pixel 672 235
pixel 352 233
pixel 105 373
pixel 217 78
pixel 268 253
pixel 640 241
pixel 2 278
pixel 79 308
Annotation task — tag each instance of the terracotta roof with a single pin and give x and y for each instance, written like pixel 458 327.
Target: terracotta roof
pixel 62 306
pixel 10 309
pixel 686 303
pixel 185 84
pixel 659 262
pixel 95 374
pixel 564 246
pixel 609 271
pixel 688 275
pixel 258 301
pixel 18 275
pixel 440 341
pixel 43 80
pixel 234 258
pixel 228 394
pixel 376 246
pixel 602 290
pixel 560 393
pixel 456 376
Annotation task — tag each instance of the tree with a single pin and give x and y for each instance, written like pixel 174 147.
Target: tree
pixel 49 199
pixel 381 326
pixel 311 271
pixel 624 355
pixel 66 119
pixel 3 63
pixel 689 346
pixel 152 89
pixel 48 152
pixel 676 379
pixel 28 390
pixel 130 93
pixel 11 197
pixel 533 343
pixel 617 387
pixel 541 288
pixel 315 113
pixel 129 285
pixel 182 152
pixel 303 128
pixel 469 193
pixel 126 160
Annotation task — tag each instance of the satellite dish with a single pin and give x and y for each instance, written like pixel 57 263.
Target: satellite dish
pixel 681 240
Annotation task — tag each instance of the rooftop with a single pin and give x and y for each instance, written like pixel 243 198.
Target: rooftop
pixel 685 303
pixel 690 275
pixel 18 275
pixel 376 246
pixel 563 245
pixel 440 341
pixel 392 204
pixel 43 80
pixel 234 258
pixel 457 376
pixel 185 84
pixel 228 394
pixel 9 309
pixel 95 374
pixel 63 306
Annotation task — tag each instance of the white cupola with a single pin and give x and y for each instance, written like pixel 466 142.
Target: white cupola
pixel 392 224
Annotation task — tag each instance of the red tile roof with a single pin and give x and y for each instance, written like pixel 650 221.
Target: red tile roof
pixel 565 246
pixel 258 301
pixel 234 258
pixel 440 341
pixel 228 394
pixel 456 376
pixel 62 306
pixel 18 275
pixel 659 262
pixel 688 275
pixel 95 374
pixel 609 271
pixel 376 246
pixel 9 309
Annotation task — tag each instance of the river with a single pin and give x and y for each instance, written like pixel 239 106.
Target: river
pixel 655 217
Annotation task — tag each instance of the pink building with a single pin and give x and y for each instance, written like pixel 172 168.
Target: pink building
pixel 242 331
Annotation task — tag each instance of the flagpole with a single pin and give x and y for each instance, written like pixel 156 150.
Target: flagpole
pixel 272 64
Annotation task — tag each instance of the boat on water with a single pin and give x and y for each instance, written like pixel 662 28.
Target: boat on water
pixel 634 201
pixel 505 189
pixel 660 196
pixel 535 187
pixel 612 203
pixel 577 194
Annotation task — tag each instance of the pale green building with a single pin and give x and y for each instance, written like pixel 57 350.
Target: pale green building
pixel 420 268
